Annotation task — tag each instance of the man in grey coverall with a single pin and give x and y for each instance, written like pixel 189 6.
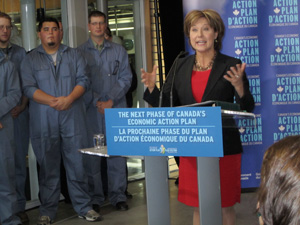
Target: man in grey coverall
pixel 54 79
pixel 111 78
pixel 16 54
pixel 10 94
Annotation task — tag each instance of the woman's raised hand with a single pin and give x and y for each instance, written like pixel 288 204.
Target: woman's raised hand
pixel 235 77
pixel 149 79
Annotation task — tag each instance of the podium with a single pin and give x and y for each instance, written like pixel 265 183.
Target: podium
pixel 156 175
pixel 208 178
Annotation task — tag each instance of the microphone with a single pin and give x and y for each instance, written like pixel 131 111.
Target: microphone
pixel 173 79
pixel 174 65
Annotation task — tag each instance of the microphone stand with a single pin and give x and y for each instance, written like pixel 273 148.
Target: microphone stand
pixel 160 72
pixel 174 65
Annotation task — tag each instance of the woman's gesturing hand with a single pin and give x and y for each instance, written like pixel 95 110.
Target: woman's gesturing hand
pixel 235 77
pixel 149 79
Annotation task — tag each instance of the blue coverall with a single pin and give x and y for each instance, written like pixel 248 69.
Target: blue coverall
pixel 111 76
pixel 54 133
pixel 10 93
pixel 21 131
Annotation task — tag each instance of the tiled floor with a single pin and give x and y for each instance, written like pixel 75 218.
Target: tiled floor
pixel 137 214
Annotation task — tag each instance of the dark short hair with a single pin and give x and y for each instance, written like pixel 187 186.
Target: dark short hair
pixel 108 32
pixel 96 13
pixel 214 19
pixel 279 191
pixel 47 19
pixel 6 16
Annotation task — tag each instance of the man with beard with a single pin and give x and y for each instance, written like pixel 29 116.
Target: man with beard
pixel 54 79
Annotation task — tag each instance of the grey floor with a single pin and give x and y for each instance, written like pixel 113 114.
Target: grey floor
pixel 137 214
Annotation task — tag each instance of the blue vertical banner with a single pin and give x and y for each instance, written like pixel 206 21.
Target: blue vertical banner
pixel 265 35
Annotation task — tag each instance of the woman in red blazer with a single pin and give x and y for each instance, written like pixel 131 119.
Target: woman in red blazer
pixel 206 75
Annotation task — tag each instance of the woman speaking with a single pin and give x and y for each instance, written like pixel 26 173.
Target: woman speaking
pixel 206 75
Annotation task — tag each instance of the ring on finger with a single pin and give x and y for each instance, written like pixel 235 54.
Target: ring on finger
pixel 237 76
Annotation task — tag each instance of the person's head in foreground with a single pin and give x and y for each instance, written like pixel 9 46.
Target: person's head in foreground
pixel 279 191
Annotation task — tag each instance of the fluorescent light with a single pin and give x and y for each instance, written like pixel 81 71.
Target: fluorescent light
pixel 125 28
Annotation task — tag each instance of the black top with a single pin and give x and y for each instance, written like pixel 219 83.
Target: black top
pixel 217 88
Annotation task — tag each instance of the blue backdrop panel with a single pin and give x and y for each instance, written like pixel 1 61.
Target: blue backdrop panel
pixel 265 35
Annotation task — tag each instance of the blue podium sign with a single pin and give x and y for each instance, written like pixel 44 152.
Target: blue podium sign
pixel 183 131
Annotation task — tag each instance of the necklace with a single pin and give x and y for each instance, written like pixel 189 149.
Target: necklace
pixel 202 68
